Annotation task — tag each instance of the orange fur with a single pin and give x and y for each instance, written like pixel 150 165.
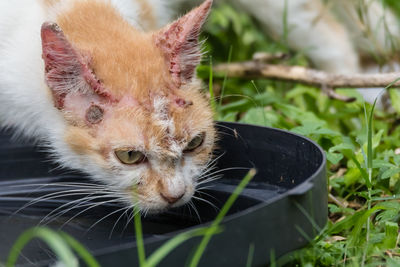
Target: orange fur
pixel 147 112
pixel 125 59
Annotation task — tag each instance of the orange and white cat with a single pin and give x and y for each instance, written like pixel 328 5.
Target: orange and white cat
pixel 336 35
pixel 110 92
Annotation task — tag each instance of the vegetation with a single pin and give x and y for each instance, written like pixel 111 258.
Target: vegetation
pixel 362 147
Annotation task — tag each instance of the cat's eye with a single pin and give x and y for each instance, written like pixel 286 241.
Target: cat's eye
pixel 130 157
pixel 195 143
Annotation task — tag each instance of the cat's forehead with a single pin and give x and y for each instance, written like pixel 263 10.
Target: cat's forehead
pixel 162 122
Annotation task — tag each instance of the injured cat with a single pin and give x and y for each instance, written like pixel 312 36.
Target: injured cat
pixel 109 95
pixel 112 91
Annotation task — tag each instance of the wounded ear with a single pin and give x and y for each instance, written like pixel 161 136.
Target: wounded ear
pixel 67 71
pixel 179 42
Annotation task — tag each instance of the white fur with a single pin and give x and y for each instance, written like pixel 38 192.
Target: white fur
pixel 24 97
pixel 25 101
pixel 329 33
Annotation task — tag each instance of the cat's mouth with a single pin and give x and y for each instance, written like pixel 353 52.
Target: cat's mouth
pixel 161 203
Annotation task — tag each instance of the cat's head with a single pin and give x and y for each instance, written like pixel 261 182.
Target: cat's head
pixel 135 116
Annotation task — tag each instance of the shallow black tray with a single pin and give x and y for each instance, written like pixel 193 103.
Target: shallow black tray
pixel 284 205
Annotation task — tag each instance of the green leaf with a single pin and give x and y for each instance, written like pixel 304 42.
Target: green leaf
pixel 392 262
pixel 352 176
pixel 390 172
pixel 343 147
pixel 355 235
pixel 395 98
pixel 229 117
pixel 255 116
pixel 387 215
pixel 334 158
pixel 382 163
pixel 334 209
pixel 391 234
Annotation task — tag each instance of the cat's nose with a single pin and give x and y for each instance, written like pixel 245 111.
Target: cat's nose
pixel 171 199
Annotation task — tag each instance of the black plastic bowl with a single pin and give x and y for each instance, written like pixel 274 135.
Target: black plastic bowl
pixel 285 204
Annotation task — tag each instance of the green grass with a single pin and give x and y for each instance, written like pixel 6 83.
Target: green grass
pixel 62 244
pixel 362 145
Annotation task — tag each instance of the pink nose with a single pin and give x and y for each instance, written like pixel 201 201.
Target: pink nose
pixel 171 199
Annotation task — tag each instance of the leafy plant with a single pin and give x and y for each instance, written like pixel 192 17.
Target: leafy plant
pixel 362 145
pixel 363 163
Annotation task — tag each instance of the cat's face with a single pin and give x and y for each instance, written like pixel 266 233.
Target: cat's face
pixel 135 116
pixel 157 151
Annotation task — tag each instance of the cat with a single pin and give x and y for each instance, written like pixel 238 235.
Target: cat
pixel 337 36
pixel 111 91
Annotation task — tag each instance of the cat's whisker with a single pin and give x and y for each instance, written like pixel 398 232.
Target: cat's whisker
pixel 189 208
pixel 80 203
pixel 191 204
pixel 208 202
pixel 211 162
pixel 234 131
pixel 204 193
pixel 206 172
pixel 224 170
pixel 51 196
pixel 125 213
pixel 103 218
pixel 93 205
pixel 41 186
pixel 204 188
pixel 132 216
pixel 208 169
pixel 145 212
pixel 128 221
pixel 210 179
pixel 66 184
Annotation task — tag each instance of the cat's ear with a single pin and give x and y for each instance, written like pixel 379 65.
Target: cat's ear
pixel 66 70
pixel 179 42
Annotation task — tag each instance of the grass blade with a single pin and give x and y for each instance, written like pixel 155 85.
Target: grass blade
pixel 164 250
pixel 207 237
pixel 225 77
pixel 250 256
pixel 51 238
pixel 211 89
pixel 139 237
pixel 369 142
pixel 83 253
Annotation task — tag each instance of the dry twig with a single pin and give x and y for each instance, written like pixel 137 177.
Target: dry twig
pixel 257 69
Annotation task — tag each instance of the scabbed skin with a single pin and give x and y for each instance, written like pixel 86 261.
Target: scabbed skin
pixel 94 80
